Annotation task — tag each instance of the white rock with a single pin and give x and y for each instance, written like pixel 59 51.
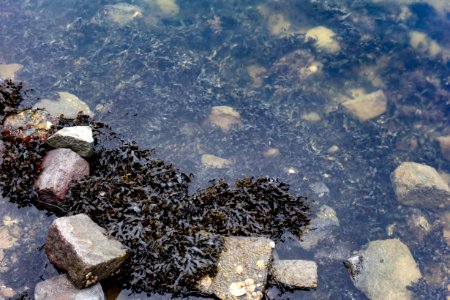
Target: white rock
pixel 368 106
pixel 212 161
pixel 77 138
pixel 324 38
pixel 8 71
pixel 295 273
pixel 68 105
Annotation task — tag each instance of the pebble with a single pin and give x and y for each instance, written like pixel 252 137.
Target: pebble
pixel 271 152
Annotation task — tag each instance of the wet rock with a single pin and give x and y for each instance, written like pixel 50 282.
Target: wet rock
pixel 324 38
pixel 212 161
pixel 384 270
pixel 320 189
pixel 256 74
pixel 320 227
pixel 368 106
pixel 28 124
pixel 271 152
pixel 165 7
pixel 8 71
pixel 6 239
pixel 68 105
pixel 420 185
pixel 76 138
pixel 224 117
pixel 60 287
pixel 59 168
pixel 242 269
pixel 295 273
pixel 311 117
pixel 121 13
pixel 424 44
pixel 6 292
pixel 80 247
pixel 444 143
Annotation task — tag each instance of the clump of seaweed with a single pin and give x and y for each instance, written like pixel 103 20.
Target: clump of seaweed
pixel 174 237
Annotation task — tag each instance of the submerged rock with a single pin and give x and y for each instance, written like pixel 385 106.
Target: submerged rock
pixel 28 124
pixel 444 144
pixel 367 106
pixel 224 117
pixel 121 13
pixel 320 227
pixel 60 168
pixel 68 105
pixel 242 269
pixel 8 71
pixel 80 247
pixel 212 161
pixel 295 273
pixel 384 270
pixel 324 38
pixel 76 138
pixel 60 287
pixel 420 185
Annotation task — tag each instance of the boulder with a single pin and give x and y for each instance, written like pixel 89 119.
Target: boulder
pixel 420 185
pixel 384 270
pixel 59 168
pixel 295 273
pixel 80 247
pixel 367 106
pixel 242 269
pixel 68 105
pixel 76 138
pixel 60 287
pixel 28 124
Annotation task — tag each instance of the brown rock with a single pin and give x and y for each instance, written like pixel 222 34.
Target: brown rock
pixel 224 117
pixel 368 106
pixel 28 124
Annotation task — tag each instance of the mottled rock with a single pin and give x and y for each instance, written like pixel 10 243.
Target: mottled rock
pixel 212 161
pixel 8 71
pixel 224 117
pixel 384 269
pixel 59 168
pixel 68 105
pixel 61 288
pixel 420 185
pixel 444 143
pixel 76 138
pixel 295 273
pixel 367 106
pixel 80 247
pixel 28 124
pixel 320 227
pixel 242 269
pixel 324 38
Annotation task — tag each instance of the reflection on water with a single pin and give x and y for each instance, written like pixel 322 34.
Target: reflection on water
pixel 329 97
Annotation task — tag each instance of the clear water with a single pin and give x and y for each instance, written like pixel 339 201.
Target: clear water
pixel 155 73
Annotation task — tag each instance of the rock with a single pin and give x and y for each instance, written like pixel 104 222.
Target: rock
pixel 212 161
pixel 368 106
pixel 60 287
pixel 68 105
pixel 295 273
pixel 28 124
pixel 80 247
pixel 311 117
pixel 8 71
pixel 256 74
pixel 168 7
pixel 6 292
pixel 319 228
pixel 424 44
pixel 76 138
pixel 224 117
pixel 59 168
pixel 420 185
pixel 444 143
pixel 6 239
pixel 121 13
pixel 384 270
pixel 324 38
pixel 271 152
pixel 242 269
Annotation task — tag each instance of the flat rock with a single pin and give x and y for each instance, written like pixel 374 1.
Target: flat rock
pixel 76 138
pixel 384 270
pixel 68 105
pixel 8 71
pixel 60 287
pixel 367 106
pixel 242 269
pixel 224 117
pixel 444 143
pixel 212 161
pixel 59 168
pixel 319 228
pixel 28 124
pixel 295 273
pixel 80 247
pixel 420 185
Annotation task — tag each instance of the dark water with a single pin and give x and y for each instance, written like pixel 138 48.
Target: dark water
pixel 155 72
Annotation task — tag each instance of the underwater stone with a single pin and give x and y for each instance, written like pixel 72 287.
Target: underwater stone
pixel 420 185
pixel 444 144
pixel 224 117
pixel 60 287
pixel 368 106
pixel 295 273
pixel 60 168
pixel 80 247
pixel 28 124
pixel 76 138
pixel 9 70
pixel 68 105
pixel 242 269
pixel 324 38
pixel 212 161
pixel 384 270
pixel 319 228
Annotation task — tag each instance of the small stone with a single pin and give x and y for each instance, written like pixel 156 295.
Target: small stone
pixel 28 124
pixel 6 239
pixel 80 247
pixel 68 105
pixel 121 13
pixel 368 106
pixel 311 117
pixel 60 287
pixel 444 143
pixel 333 149
pixel 225 117
pixel 212 161
pixel 295 273
pixel 420 185
pixel 324 38
pixel 8 71
pixel 59 168
pixel 271 152
pixel 76 138
pixel 291 170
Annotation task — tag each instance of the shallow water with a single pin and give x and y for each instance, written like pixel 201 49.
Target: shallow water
pixel 153 72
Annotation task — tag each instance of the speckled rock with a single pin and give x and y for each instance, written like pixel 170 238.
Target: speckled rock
pixel 76 138
pixel 295 273
pixel 319 228
pixel 384 269
pixel 68 105
pixel 80 247
pixel 28 124
pixel 242 269
pixel 420 185
pixel 61 288
pixel 59 168
pixel 367 106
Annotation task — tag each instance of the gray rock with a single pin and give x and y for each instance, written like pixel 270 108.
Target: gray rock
pixel 319 228
pixel 77 138
pixel 384 270
pixel 295 273
pixel 60 287
pixel 28 124
pixel 80 247
pixel 59 168
pixel 420 185
pixel 68 105
pixel 242 269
